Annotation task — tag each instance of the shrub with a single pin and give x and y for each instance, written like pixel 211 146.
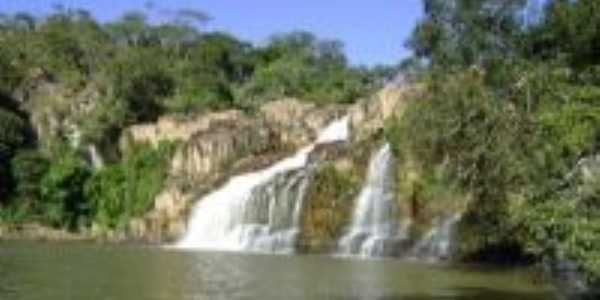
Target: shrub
pixel 64 204
pixel 127 189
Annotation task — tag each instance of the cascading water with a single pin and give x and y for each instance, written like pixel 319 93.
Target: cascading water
pixel 257 211
pixel 437 243
pixel 375 230
pixel 95 158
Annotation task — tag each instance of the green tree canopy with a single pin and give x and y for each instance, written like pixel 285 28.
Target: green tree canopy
pixel 466 32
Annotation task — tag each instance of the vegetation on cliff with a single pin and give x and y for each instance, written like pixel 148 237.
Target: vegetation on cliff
pixel 122 191
pixel 69 82
pixel 328 207
pixel 66 193
pixel 510 111
pixel 508 117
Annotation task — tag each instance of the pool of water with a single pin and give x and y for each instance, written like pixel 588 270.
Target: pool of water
pixel 65 271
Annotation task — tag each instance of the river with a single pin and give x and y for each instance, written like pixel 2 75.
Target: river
pixel 80 271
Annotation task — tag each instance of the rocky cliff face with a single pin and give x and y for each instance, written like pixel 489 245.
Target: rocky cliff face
pixel 296 123
pixel 172 128
pixel 368 116
pixel 57 111
pixel 215 146
pixel 335 181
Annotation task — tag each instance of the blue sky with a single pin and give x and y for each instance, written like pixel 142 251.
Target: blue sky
pixel 373 31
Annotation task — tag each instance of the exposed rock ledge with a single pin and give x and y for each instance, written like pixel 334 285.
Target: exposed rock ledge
pixel 34 231
pixel 367 117
pixel 215 146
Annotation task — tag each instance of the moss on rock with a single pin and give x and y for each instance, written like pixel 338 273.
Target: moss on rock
pixel 328 207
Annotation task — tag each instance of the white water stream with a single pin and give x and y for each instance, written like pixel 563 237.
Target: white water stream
pixel 258 211
pixel 375 230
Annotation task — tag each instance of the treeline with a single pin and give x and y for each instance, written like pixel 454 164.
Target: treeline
pixel 511 115
pixel 138 70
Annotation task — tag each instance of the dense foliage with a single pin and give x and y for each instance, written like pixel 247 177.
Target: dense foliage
pixel 77 83
pixel 511 115
pixel 12 136
pixel 67 193
pixel 125 190
pixel 61 190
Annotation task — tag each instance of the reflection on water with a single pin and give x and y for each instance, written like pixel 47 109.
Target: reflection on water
pixel 92 272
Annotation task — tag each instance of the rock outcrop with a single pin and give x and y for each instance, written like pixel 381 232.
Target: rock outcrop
pixel 214 146
pixel 368 116
pixel 296 123
pixel 55 109
pixel 328 205
pixel 37 232
pixel 210 151
pixel 166 220
pixel 174 128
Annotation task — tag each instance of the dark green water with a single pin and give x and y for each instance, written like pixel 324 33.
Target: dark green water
pixel 92 272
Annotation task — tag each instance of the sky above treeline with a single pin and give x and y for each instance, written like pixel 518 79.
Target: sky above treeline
pixel 373 31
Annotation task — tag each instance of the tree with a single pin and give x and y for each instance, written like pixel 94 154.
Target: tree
pixel 139 79
pixel 12 136
pixel 568 29
pixel 173 35
pixel 62 192
pixel 466 32
pixel 28 167
pixel 73 46
pixel 9 75
pixel 191 17
pixel 128 189
pixel 130 29
pixel 300 65
pixel 21 22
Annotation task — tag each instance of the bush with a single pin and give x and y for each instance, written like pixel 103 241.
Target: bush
pixel 127 189
pixel 64 204
pixel 461 126
pixel 28 169
pixel 328 207
pixel 512 148
pixel 13 135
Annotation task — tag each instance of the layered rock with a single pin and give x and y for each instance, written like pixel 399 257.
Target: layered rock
pixel 55 108
pixel 173 128
pixel 166 220
pixel 210 151
pixel 296 123
pixel 367 117
pixel 327 209
pixel 34 231
pixel 215 146
pixel 59 113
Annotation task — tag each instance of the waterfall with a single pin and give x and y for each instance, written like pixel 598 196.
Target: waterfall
pixel 437 243
pixel 95 158
pixel 375 229
pixel 258 211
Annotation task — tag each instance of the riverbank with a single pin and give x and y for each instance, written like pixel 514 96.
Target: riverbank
pixel 37 232
pixel 100 271
pixel 34 232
